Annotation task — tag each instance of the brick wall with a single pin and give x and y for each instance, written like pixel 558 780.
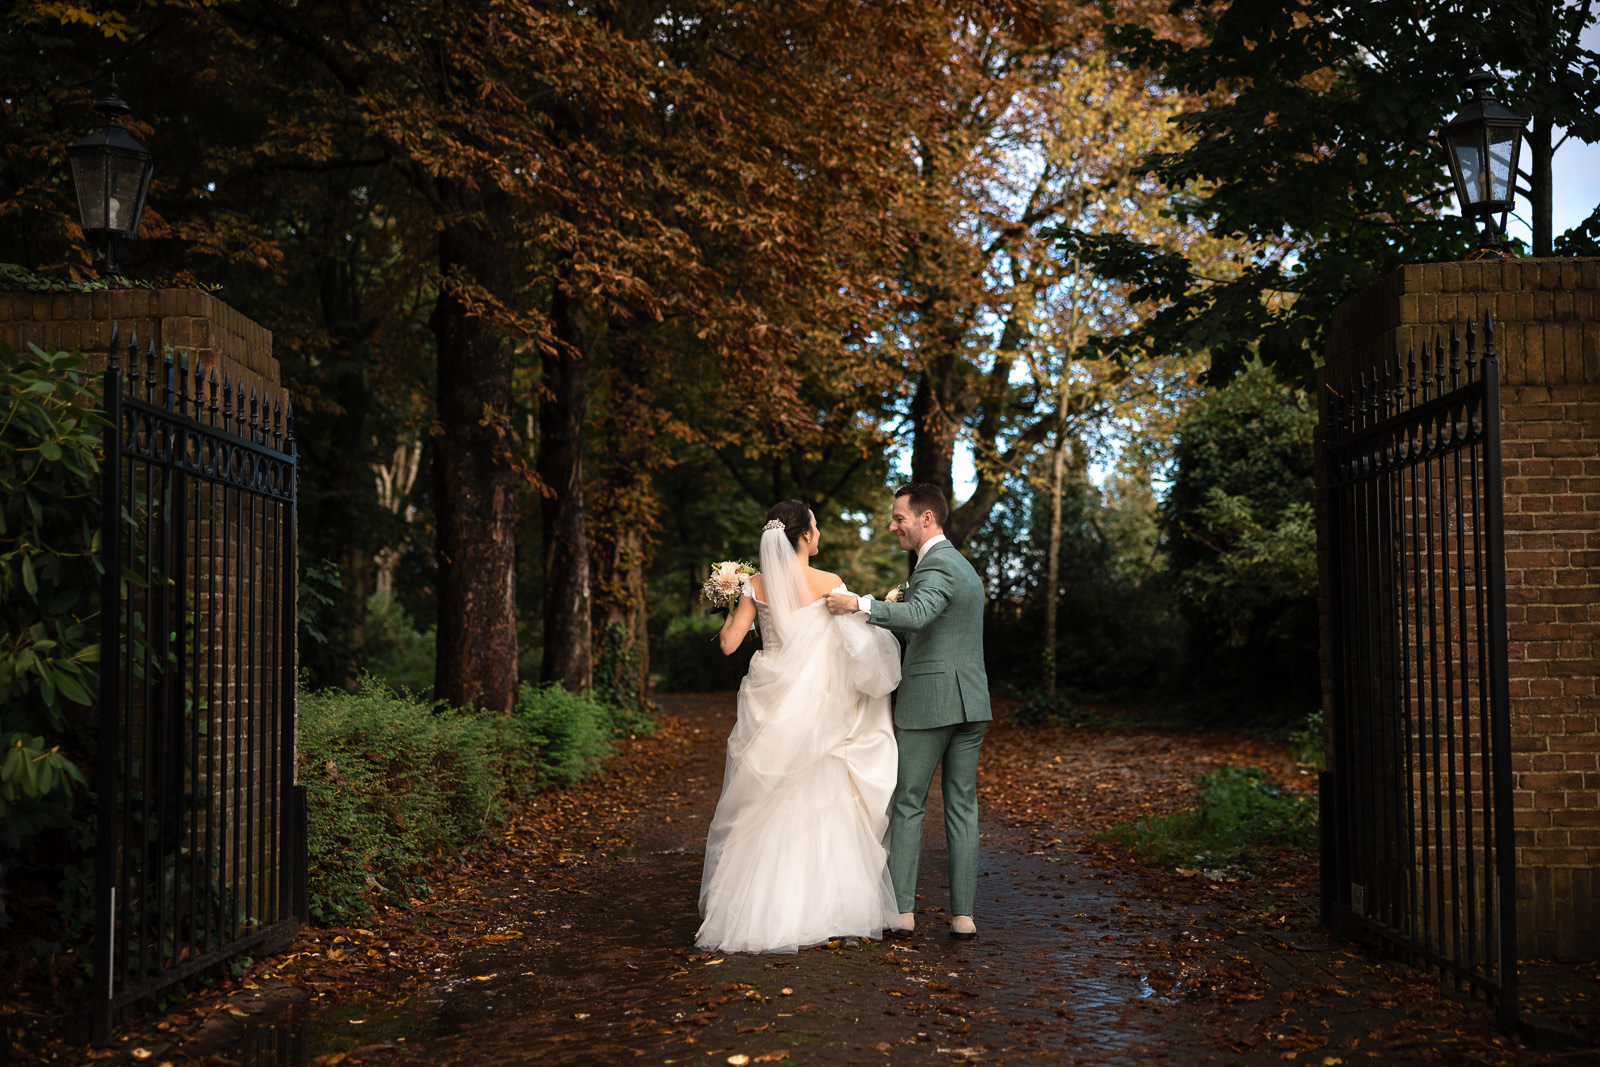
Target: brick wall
pixel 188 321
pixel 1547 335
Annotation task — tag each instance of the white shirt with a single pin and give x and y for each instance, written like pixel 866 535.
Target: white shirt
pixel 922 549
pixel 864 602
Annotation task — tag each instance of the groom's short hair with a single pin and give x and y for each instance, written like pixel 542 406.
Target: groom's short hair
pixel 925 496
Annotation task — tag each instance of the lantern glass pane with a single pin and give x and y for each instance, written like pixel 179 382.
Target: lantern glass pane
pixel 1502 143
pixel 126 174
pixel 89 179
pixel 1469 154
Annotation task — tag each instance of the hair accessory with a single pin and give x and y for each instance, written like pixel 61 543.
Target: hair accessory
pixel 774 524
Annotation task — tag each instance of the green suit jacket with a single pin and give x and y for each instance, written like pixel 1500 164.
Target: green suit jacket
pixel 942 678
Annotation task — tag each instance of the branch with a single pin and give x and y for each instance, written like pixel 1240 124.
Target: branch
pixel 744 483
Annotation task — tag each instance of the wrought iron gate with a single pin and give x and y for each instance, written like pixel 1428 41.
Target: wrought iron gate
pixel 1419 841
pixel 200 843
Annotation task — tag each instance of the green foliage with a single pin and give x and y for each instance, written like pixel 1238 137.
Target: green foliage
pixel 19 279
pixel 29 769
pixel 690 659
pixel 393 785
pixel 1583 239
pixel 1117 631
pixel 319 584
pixel 1255 564
pixel 396 652
pixel 396 783
pixel 568 735
pixel 49 583
pixel 1241 535
pixel 1307 742
pixel 1240 813
pixel 1322 148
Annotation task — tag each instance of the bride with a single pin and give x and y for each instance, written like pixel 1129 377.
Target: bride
pixel 795 853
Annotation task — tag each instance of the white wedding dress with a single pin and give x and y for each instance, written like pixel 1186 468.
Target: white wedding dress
pixel 796 850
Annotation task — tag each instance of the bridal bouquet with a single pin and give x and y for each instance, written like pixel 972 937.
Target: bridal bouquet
pixel 897 594
pixel 725 585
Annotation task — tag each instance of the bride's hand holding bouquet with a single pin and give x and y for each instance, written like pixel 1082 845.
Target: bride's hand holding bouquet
pixel 726 588
pixel 729 580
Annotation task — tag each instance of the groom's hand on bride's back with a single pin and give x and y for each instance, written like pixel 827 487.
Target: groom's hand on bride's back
pixel 843 603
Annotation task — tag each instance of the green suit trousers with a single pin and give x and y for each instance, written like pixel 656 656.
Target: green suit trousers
pixel 955 749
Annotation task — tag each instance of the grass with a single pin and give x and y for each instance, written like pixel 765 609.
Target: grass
pixel 1241 813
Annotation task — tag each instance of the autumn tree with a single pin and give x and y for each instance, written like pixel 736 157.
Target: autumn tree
pixel 997 308
pixel 731 268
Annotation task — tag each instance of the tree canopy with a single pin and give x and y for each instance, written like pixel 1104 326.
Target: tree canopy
pixel 568 293
pixel 1317 143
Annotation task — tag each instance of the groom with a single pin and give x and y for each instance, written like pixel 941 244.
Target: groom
pixel 942 707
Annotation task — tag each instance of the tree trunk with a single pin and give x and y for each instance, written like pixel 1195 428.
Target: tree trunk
pixel 344 489
pixel 1540 200
pixel 623 667
pixel 622 518
pixel 567 628
pixel 932 438
pixel 1052 592
pixel 473 484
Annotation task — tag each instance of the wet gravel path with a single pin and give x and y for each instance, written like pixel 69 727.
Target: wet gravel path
pixel 577 949
pixel 596 966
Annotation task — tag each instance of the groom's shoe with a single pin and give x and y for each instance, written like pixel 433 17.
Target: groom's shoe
pixel 962 928
pixel 907 927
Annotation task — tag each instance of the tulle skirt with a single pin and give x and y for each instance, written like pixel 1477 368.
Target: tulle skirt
pixel 795 854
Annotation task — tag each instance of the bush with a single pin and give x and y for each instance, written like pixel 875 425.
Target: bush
pixel 1118 636
pixel 1242 539
pixel 1041 709
pixel 560 737
pixel 1240 813
pixel 1308 744
pixel 49 593
pixel 396 651
pixel 393 783
pixel 691 660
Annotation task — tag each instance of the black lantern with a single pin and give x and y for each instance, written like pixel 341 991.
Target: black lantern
pixel 1483 142
pixel 111 173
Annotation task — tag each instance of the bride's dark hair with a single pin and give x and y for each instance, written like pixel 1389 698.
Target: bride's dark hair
pixel 796 518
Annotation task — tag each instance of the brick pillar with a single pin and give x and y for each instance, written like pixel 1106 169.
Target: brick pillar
pixel 188 321
pixel 1547 336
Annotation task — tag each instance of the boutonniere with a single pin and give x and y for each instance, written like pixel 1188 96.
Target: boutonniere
pixel 897 594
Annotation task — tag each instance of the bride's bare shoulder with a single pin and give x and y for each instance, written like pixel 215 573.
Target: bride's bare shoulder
pixel 824 582
pixel 756 586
